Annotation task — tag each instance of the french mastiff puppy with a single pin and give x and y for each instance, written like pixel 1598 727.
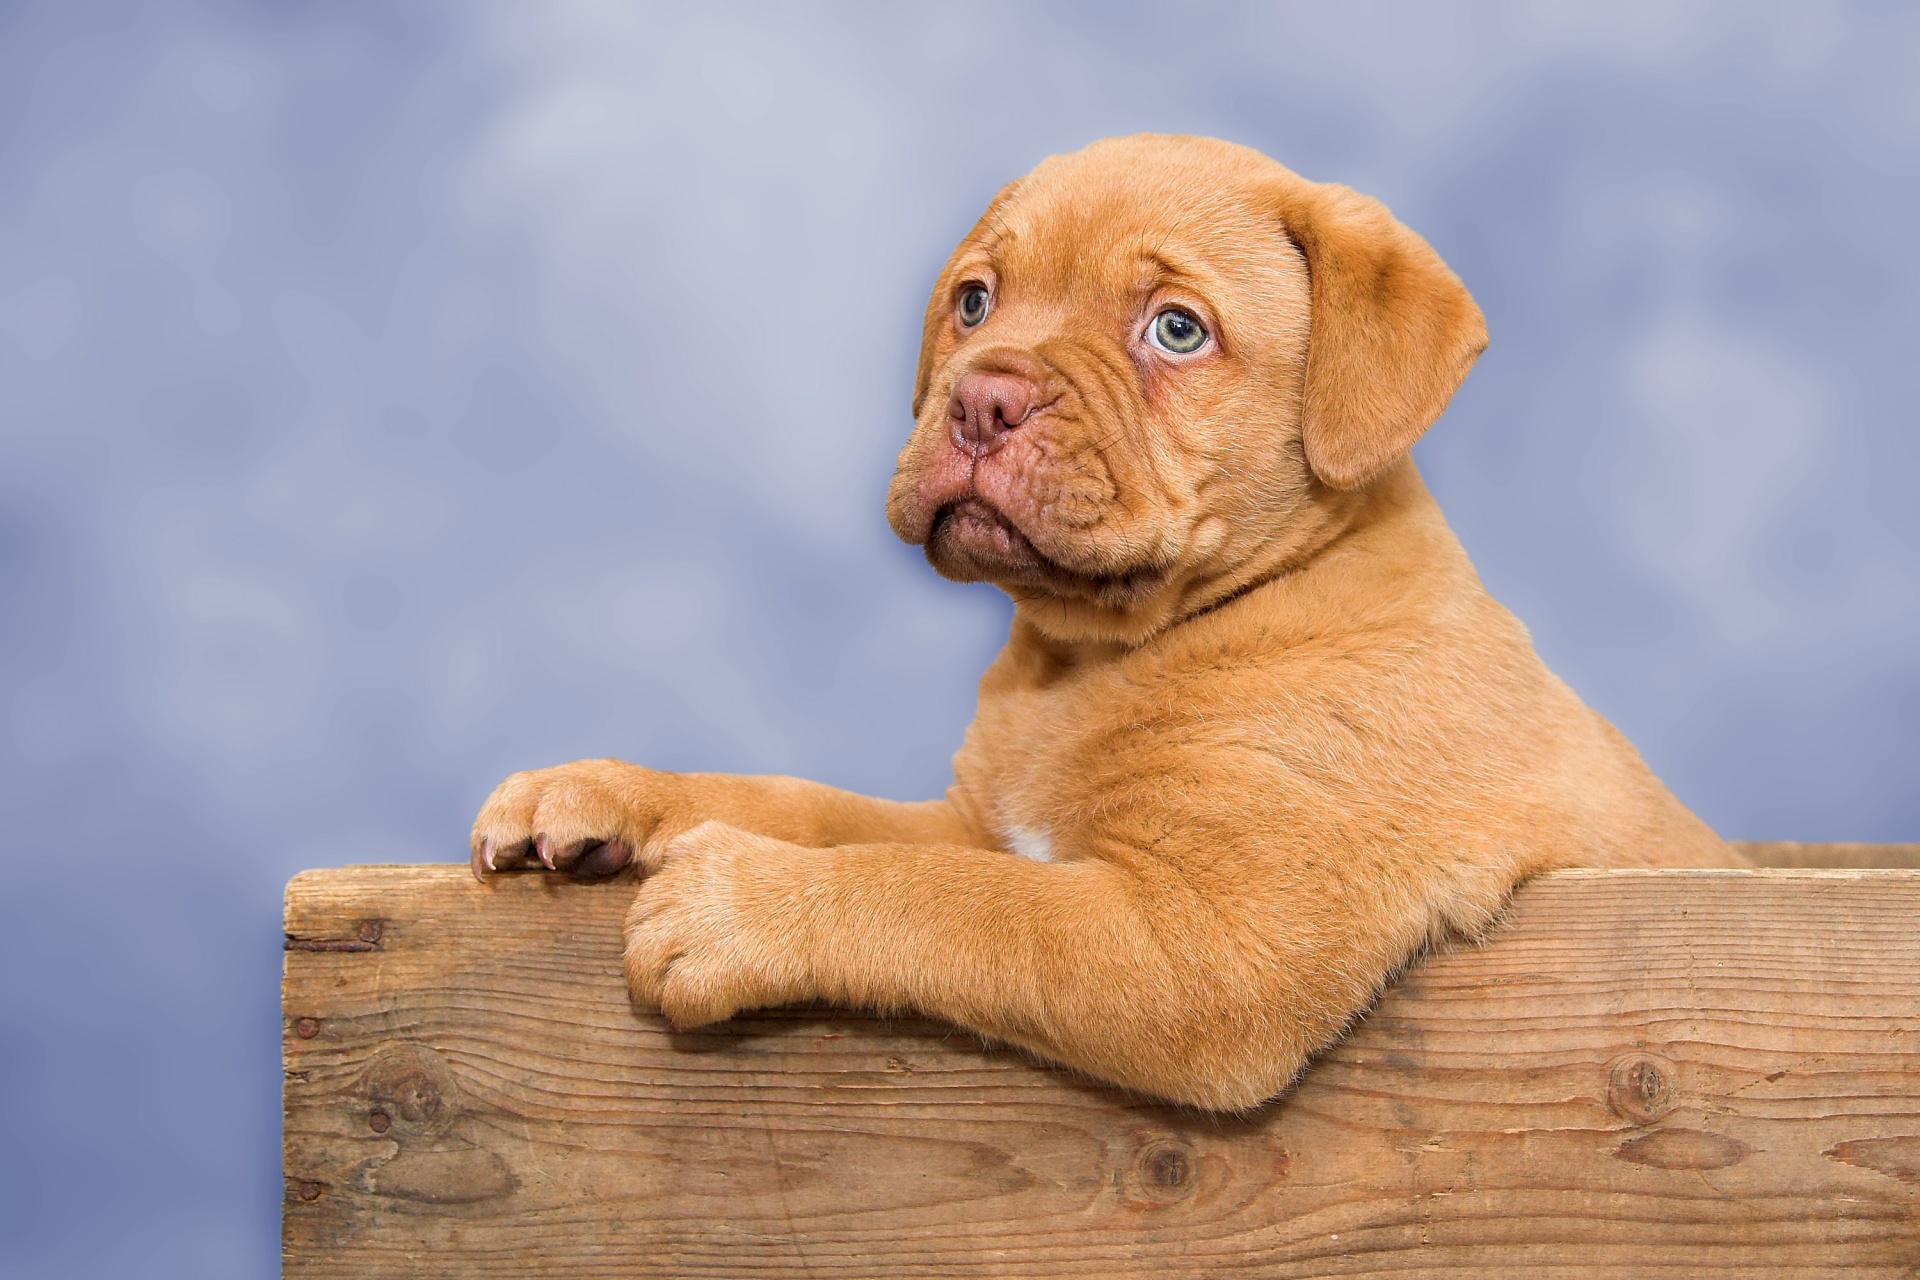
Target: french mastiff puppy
pixel 1258 735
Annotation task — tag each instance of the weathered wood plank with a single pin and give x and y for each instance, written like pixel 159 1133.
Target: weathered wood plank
pixel 1789 853
pixel 1671 1073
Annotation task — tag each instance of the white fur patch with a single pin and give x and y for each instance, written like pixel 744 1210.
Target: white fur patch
pixel 1031 844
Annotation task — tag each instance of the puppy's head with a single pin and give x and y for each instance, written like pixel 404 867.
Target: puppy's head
pixel 1159 367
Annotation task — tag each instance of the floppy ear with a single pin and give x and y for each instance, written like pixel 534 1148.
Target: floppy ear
pixel 938 308
pixel 940 304
pixel 1392 335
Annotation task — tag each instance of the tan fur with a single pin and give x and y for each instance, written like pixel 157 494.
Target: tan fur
pixel 1256 707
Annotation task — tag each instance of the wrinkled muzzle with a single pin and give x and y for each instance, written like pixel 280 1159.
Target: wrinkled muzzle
pixel 1008 479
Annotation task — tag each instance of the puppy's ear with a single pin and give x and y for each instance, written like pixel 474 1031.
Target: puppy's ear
pixel 938 310
pixel 940 305
pixel 1393 331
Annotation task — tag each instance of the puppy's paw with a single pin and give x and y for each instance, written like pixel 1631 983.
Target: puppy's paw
pixel 704 940
pixel 589 818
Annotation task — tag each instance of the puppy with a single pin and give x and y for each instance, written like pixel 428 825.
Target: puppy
pixel 1258 735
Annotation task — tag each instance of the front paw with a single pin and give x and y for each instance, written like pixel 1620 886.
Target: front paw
pixel 708 936
pixel 590 818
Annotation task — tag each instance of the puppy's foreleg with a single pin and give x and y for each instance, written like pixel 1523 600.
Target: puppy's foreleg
pixel 593 817
pixel 1075 960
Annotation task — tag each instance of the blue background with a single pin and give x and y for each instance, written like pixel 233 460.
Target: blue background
pixel 395 396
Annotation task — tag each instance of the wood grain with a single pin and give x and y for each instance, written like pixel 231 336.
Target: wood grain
pixel 1643 1073
pixel 1790 853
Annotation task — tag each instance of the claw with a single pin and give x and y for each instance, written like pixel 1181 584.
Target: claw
pixel 540 846
pixel 482 861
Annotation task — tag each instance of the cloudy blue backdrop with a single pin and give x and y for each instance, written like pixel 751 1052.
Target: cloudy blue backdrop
pixel 394 396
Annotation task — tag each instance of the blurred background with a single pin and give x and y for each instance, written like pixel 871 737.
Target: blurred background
pixel 395 396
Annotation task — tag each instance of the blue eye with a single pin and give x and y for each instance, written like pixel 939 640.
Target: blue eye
pixel 1177 332
pixel 974 300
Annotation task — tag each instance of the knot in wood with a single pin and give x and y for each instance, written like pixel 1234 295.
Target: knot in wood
pixel 1170 1167
pixel 1164 1169
pixel 410 1089
pixel 416 1097
pixel 1640 1087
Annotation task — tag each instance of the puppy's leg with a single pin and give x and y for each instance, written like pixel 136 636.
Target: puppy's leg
pixel 1135 981
pixel 593 817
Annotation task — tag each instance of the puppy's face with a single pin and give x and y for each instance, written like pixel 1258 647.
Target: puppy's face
pixel 1114 410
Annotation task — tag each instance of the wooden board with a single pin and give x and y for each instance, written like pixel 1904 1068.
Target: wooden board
pixel 1644 1073
pixel 1789 853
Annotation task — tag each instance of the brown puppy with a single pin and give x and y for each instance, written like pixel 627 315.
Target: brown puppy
pixel 1258 735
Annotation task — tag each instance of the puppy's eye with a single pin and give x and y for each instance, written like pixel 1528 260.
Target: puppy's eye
pixel 973 304
pixel 1176 331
